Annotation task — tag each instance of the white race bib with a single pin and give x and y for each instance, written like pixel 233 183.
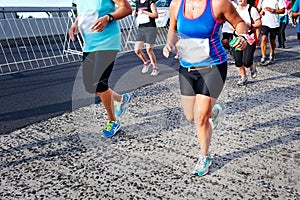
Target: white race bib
pixel 142 19
pixel 86 20
pixel 193 50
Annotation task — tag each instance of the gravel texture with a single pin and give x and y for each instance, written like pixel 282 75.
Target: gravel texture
pixel 256 150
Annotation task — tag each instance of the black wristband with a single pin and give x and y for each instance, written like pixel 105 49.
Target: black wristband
pixel 110 18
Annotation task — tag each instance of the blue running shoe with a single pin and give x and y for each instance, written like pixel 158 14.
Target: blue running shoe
pixel 111 128
pixel 202 166
pixel 120 107
pixel 217 110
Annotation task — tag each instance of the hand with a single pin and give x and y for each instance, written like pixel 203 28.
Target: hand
pixel 269 9
pixel 140 11
pixel 167 49
pixel 100 24
pixel 241 43
pixel 73 31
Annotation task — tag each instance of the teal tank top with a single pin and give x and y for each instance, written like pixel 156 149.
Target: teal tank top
pixel 88 12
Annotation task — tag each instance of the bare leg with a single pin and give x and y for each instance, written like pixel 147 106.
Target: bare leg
pixel 199 109
pixel 107 100
pixel 138 51
pixel 203 111
pixel 263 45
pixel 272 47
pixel 151 54
pixel 116 97
pixel 242 71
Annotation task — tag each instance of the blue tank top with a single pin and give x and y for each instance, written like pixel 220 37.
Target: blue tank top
pixel 200 43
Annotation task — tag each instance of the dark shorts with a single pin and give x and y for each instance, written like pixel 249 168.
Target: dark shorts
pixel 298 36
pixel 96 69
pixel 265 30
pixel 147 34
pixel 208 82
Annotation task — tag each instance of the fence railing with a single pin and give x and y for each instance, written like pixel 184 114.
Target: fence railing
pixel 34 43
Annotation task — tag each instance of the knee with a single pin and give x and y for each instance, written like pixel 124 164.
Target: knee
pixel 202 120
pixel 190 118
pixel 149 51
pixel 138 51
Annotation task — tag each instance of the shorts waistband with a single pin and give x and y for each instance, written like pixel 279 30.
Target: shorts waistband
pixel 199 68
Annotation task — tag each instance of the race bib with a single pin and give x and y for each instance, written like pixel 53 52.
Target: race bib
pixel 86 20
pixel 142 19
pixel 193 50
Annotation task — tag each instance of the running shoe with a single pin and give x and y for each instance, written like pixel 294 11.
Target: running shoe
pixel 202 166
pixel 253 71
pixel 271 60
pixel 217 111
pixel 146 67
pixel 243 81
pixel 154 72
pixel 111 128
pixel 263 62
pixel 120 107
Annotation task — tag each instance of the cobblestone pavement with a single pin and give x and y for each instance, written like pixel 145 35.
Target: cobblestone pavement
pixel 256 151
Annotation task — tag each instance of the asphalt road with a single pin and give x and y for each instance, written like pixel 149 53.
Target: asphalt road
pixel 32 96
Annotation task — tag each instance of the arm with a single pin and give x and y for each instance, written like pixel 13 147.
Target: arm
pixel 123 10
pixel 172 36
pixel 73 30
pixel 278 11
pixel 153 13
pixel 225 11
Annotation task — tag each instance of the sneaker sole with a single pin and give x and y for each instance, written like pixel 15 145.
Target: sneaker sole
pixel 118 115
pixel 218 119
pixel 197 173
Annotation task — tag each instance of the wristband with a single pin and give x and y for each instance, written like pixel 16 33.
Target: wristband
pixel 245 36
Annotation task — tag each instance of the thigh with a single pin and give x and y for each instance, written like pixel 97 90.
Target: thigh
pixel 248 55
pixel 212 82
pixel 138 45
pixel 151 35
pixel 140 36
pixel 274 33
pixel 188 106
pixel 264 30
pixel 103 64
pixel 88 64
pixel 238 58
pixel 186 82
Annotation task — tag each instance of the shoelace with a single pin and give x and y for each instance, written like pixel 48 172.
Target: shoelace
pixel 201 161
pixel 109 126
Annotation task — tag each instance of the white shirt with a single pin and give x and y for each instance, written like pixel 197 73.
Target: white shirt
pixel 270 19
pixel 227 28
pixel 245 14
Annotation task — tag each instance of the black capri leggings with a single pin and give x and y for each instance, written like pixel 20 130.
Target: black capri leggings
pixel 245 57
pixel 96 69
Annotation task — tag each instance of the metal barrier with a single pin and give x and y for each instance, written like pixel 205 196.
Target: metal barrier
pixel 34 43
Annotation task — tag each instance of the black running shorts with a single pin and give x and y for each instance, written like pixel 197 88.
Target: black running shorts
pixel 208 82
